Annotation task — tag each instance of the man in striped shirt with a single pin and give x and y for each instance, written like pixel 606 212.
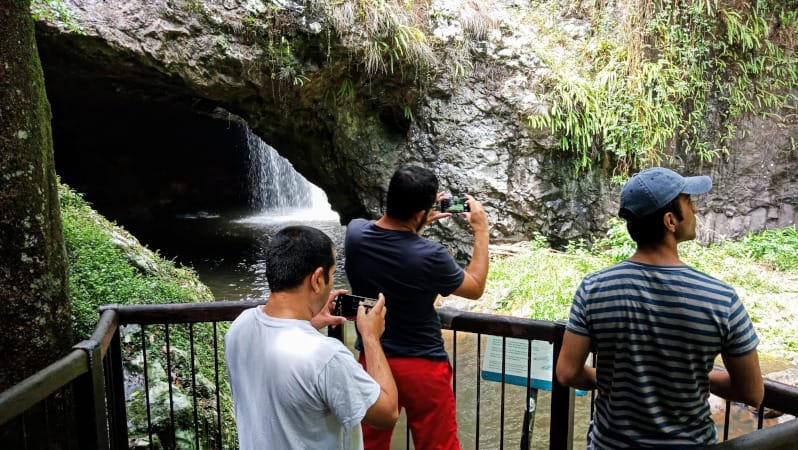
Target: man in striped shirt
pixel 657 326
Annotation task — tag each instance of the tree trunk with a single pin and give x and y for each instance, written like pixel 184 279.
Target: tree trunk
pixel 35 323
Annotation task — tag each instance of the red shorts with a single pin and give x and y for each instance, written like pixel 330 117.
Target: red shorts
pixel 425 392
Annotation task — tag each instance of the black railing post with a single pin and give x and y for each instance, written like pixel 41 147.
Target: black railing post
pixel 336 332
pixel 117 413
pixel 531 405
pixel 561 433
pixel 90 400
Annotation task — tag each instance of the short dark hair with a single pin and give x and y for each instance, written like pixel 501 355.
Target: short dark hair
pixel 650 229
pixel 294 253
pixel 411 190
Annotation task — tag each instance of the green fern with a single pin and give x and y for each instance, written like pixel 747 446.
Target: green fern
pixel 628 105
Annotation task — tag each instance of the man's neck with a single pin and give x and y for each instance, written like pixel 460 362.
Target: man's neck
pixel 390 223
pixel 665 254
pixel 285 305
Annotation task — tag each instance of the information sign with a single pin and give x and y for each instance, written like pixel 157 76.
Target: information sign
pixel 517 363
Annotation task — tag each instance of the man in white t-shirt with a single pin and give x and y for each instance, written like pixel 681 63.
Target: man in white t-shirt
pixel 294 387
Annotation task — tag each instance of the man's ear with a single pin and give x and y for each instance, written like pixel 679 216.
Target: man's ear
pixel 670 221
pixel 316 278
pixel 421 216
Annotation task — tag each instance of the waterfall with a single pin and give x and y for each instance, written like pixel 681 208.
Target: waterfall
pixel 274 184
pixel 277 188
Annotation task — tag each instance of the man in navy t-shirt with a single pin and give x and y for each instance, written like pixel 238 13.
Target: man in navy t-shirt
pixel 388 256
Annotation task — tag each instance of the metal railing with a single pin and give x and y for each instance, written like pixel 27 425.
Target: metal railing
pixel 190 413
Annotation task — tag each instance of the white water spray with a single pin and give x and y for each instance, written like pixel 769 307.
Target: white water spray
pixel 278 192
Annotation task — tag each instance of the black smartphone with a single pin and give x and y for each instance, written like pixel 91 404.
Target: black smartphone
pixel 346 305
pixel 454 205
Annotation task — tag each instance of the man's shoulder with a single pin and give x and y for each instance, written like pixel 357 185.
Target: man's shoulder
pixel 620 269
pixel 245 316
pixel 312 350
pixel 621 273
pixel 356 225
pixel 358 222
pixel 705 276
pixel 683 277
pixel 707 285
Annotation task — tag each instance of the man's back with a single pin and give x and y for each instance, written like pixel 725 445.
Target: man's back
pixel 315 400
pixel 410 271
pixel 657 331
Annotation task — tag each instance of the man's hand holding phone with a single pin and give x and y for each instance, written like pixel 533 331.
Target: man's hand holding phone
pixel 327 316
pixel 346 305
pixel 371 323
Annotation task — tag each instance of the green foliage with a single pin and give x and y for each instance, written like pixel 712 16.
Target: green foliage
pixel 220 43
pixel 286 66
pixel 681 66
pixel 346 92
pixel 101 273
pixel 55 11
pixel 769 295
pixel 617 245
pixel 394 35
pixel 408 112
pixel 384 38
pixel 461 68
pixel 778 247
pixel 193 6
pixel 540 282
pixel 185 386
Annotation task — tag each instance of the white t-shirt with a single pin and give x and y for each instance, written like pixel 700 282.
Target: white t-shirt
pixel 293 387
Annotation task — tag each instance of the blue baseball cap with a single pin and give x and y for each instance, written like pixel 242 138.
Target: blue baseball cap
pixel 654 188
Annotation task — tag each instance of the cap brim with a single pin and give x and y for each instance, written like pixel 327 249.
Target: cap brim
pixel 697 185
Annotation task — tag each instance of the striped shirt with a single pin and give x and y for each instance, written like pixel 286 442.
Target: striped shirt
pixel 656 331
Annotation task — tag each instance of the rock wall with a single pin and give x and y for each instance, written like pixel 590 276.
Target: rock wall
pixel 346 129
pixel 756 185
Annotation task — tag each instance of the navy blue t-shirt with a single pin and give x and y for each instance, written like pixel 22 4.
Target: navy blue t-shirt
pixel 410 271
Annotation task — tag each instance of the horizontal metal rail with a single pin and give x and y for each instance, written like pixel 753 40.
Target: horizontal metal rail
pixel 783 436
pixel 81 364
pixel 181 313
pixel 229 310
pixel 105 329
pixel 517 327
pixel 81 370
pixel 781 397
pixel 37 387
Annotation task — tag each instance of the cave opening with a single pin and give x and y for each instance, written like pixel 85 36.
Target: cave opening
pixel 188 179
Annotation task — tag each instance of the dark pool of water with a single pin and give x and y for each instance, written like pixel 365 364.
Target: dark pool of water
pixel 227 250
